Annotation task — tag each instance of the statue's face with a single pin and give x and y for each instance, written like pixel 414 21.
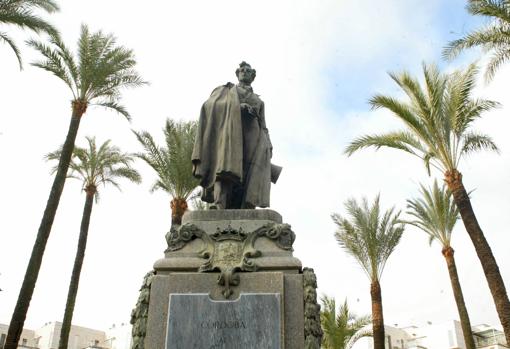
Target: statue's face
pixel 245 74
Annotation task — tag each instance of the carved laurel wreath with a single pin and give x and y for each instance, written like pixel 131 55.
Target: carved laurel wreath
pixel 230 250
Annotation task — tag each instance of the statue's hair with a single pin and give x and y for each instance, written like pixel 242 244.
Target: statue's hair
pixel 244 64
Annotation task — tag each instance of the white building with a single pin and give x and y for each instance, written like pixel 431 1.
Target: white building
pixel 444 335
pixel 47 337
pixel 26 339
pixel 119 336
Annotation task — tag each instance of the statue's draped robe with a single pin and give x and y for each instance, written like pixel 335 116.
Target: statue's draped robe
pixel 233 146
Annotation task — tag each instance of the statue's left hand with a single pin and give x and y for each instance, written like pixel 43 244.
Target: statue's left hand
pixel 250 109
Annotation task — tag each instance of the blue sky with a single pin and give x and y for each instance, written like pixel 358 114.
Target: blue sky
pixel 348 87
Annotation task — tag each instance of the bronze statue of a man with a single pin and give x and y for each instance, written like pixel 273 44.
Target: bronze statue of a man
pixel 232 152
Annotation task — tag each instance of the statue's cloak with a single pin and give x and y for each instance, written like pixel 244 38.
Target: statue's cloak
pixel 223 152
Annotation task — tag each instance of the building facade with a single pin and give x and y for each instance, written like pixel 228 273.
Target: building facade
pixel 444 335
pixel 47 337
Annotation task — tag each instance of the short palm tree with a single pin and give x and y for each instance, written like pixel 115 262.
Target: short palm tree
pixel 438 118
pixel 95 77
pixel 342 328
pixel 172 163
pixel 93 166
pixel 21 13
pixel 370 238
pixel 436 214
pixel 493 38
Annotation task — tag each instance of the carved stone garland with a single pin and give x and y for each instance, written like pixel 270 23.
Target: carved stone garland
pixel 230 250
pixel 140 313
pixel 313 330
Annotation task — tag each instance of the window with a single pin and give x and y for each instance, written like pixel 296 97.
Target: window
pixel 450 338
pixel 24 342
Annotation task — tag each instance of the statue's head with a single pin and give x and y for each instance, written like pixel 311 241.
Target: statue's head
pixel 245 73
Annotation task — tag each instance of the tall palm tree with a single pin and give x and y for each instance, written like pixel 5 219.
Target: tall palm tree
pixel 370 238
pixel 172 163
pixel 436 214
pixel 342 328
pixel 438 118
pixel 93 166
pixel 493 38
pixel 21 13
pixel 95 77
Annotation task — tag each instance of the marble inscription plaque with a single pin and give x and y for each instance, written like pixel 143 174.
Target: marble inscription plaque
pixel 197 322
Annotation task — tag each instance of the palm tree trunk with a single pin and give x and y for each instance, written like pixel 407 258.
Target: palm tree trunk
pixel 496 285
pixel 178 206
pixel 459 298
pixel 34 265
pixel 377 315
pixel 78 262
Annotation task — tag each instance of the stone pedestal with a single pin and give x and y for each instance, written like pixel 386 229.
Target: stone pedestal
pixel 237 266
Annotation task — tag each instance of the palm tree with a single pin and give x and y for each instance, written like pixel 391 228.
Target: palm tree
pixel 438 118
pixel 92 166
pixel 21 13
pixel 370 238
pixel 172 163
pixel 96 77
pixel 436 214
pixel 342 329
pixel 494 38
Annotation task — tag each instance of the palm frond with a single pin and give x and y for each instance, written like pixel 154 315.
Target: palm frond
pixel 49 6
pixel 401 110
pixel 501 55
pixel 490 8
pixel 487 38
pixel 22 15
pixel 365 331
pixel 98 73
pixel 412 88
pixel 115 106
pixel 13 46
pixel 94 165
pixel 341 327
pixel 397 140
pixel 367 236
pixel 171 163
pixel 475 142
pixel 436 114
pixel 493 37
pixel 434 212
pixel 53 63
pixel 105 67
pixel 67 57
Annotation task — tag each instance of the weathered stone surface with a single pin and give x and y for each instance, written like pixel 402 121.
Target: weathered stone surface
pixel 313 329
pixel 190 267
pixel 187 259
pixel 219 215
pixel 140 312
pixel 248 220
pixel 293 313
pixel 250 322
pixel 289 286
